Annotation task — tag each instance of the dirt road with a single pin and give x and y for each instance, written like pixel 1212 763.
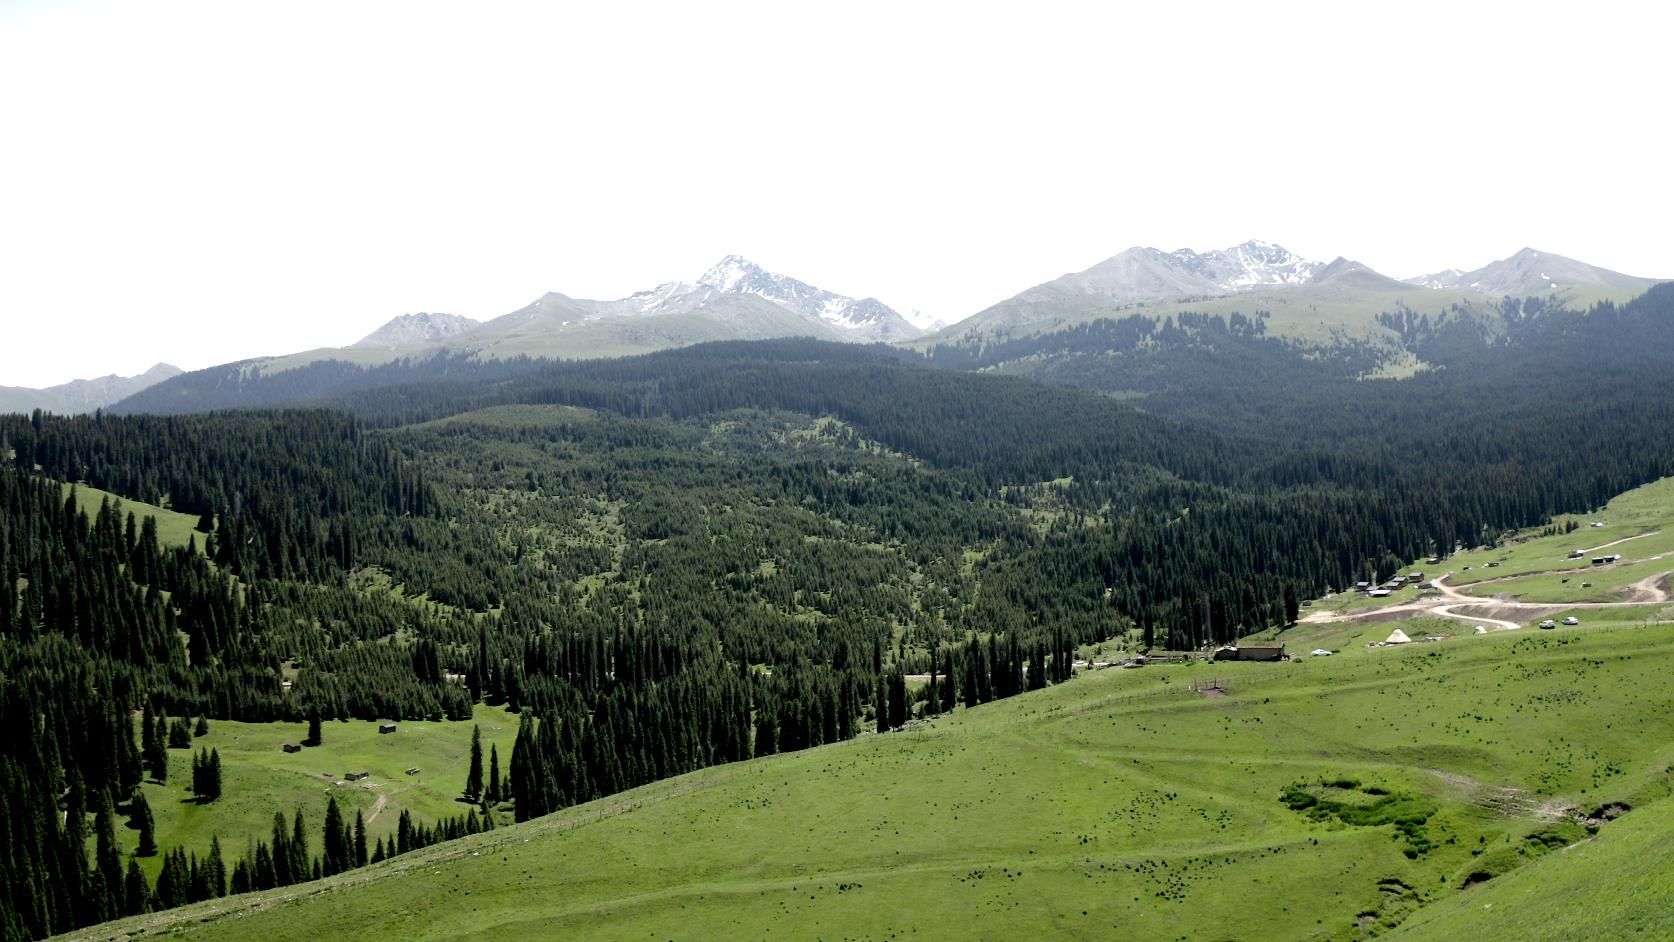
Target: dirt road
pixel 1502 613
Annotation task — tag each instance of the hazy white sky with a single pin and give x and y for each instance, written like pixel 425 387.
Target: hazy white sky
pixel 200 182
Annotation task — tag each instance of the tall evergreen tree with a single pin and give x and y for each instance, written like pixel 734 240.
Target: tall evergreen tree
pixel 139 816
pixel 136 895
pixel 360 839
pixel 336 848
pixel 473 778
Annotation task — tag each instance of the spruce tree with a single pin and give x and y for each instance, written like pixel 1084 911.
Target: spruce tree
pixel 494 797
pixel 899 710
pixel 216 867
pixel 136 896
pixel 107 852
pixel 473 778
pixel 360 839
pixel 153 751
pixel 282 873
pixel 297 848
pixel 139 816
pixel 333 846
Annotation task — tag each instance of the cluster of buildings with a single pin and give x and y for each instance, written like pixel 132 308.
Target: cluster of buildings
pixel 1377 591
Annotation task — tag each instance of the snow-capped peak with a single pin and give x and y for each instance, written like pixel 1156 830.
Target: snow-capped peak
pixel 734 276
pixel 1253 264
pixel 729 273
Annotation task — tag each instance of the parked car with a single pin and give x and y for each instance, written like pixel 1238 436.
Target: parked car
pixel 1548 623
pixel 1572 620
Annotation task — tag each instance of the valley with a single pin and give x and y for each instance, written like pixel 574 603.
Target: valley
pixel 679 472
pixel 780 637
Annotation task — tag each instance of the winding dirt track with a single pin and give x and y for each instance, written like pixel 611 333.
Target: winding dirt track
pixel 1452 603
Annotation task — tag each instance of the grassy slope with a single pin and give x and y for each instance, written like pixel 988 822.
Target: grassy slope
pixel 259 778
pixel 1535 568
pixel 1316 315
pixel 173 529
pixel 1615 886
pixel 1123 803
pixel 1643 518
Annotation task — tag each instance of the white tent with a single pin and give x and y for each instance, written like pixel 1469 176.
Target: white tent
pixel 1397 637
pixel 1480 630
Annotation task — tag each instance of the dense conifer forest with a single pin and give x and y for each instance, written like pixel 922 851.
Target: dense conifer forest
pixel 695 557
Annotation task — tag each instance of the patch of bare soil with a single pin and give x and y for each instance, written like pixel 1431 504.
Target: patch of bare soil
pixel 1649 589
pixel 1502 800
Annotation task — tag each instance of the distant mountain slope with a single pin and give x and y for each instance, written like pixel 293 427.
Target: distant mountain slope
pixel 1531 272
pixel 82 395
pixel 734 300
pixel 1145 274
pixel 418 328
pixel 1342 299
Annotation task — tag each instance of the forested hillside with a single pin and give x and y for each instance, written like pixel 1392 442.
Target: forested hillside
pixel 674 561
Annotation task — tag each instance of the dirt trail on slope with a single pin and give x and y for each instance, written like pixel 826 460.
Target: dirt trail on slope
pixel 1502 613
pixel 1636 536
pixel 377 808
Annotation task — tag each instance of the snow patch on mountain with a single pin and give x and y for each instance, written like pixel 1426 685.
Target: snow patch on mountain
pixel 1254 264
pixel 864 318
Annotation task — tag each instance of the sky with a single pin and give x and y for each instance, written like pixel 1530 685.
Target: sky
pixel 200 182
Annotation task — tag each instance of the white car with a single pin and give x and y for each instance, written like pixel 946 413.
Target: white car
pixel 1572 620
pixel 1548 623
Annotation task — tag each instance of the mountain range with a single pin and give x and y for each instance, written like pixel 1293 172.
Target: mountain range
pixel 82 395
pixel 1306 300
pixel 735 299
pixel 1322 304
pixel 1530 272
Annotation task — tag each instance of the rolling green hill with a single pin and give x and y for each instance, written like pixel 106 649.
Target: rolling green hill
pixel 1319 799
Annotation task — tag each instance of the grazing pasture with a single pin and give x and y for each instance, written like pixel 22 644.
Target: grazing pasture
pixel 1322 798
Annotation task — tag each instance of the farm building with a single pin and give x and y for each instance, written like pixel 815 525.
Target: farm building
pixel 291 747
pixel 386 727
pixel 1251 654
pixel 355 776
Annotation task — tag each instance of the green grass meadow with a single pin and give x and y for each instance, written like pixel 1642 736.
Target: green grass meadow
pixel 1123 804
pixel 173 528
pixel 260 778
